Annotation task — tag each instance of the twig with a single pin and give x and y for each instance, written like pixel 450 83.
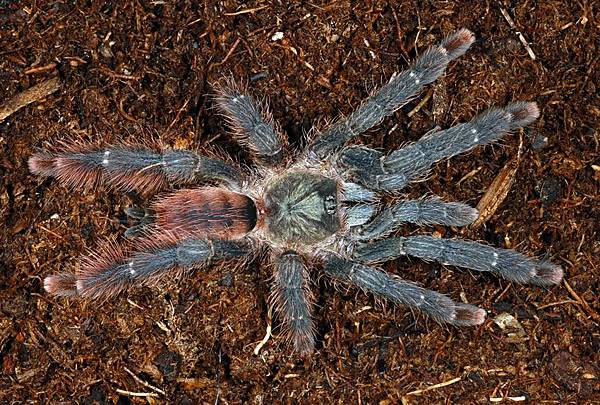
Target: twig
pixel 51 232
pixel 436 386
pixel 582 302
pixel 229 53
pixel 144 383
pixel 512 25
pixel 267 334
pixel 28 96
pixel 40 69
pixel 514 399
pixel 552 304
pixel 235 44
pixel 183 107
pixel 421 104
pixel 123 113
pixel 137 394
pixel 246 11
pixel 116 75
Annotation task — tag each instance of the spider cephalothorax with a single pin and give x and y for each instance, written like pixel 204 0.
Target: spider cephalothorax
pixel 324 206
pixel 301 208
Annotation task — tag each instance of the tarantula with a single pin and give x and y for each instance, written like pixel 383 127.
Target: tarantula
pixel 323 206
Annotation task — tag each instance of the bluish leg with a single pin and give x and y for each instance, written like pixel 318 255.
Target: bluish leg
pixel 429 211
pixel 505 263
pixel 411 163
pixel 131 167
pixel 111 270
pixel 393 95
pixel 436 305
pixel 252 123
pixel 292 300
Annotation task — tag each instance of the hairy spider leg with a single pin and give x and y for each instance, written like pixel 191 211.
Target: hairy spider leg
pixel 426 211
pixel 506 263
pixel 130 167
pixel 252 123
pixel 393 95
pixel 436 305
pixel 292 300
pixel 109 271
pixel 408 164
pixel 354 192
pixel 359 214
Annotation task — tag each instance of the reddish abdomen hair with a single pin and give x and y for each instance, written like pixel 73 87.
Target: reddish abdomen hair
pixel 207 212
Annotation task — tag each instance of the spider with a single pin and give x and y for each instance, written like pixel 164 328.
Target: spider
pixel 324 207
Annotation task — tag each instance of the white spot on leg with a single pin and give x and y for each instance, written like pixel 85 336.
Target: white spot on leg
pixel 417 81
pixel 474 132
pixel 131 269
pixel 106 155
pixel 411 74
pixel 495 261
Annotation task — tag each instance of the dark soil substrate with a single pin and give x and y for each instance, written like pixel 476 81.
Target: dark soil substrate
pixel 144 69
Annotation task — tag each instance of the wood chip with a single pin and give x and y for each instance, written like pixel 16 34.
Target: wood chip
pixel 498 190
pixel 34 93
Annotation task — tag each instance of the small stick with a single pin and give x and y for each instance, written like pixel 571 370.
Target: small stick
pixel 137 394
pixel 235 44
pixel 433 387
pixel 51 232
pixel 267 335
pixel 246 11
pixel 116 75
pixel 552 304
pixel 40 69
pixel 582 302
pixel 231 50
pixel 28 96
pixel 514 399
pixel 183 107
pixel 421 104
pixel 470 174
pixel 512 25
pixel 144 383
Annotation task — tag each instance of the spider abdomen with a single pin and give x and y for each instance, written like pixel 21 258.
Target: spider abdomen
pixel 301 208
pixel 209 212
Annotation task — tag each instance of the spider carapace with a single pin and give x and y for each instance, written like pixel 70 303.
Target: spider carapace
pixel 301 208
